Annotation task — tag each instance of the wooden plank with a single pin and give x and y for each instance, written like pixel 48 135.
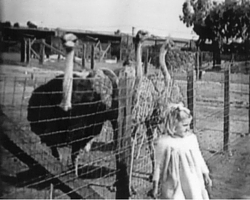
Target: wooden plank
pixel 54 49
pixel 226 107
pixel 105 51
pixel 35 154
pixel 123 154
pixel 36 55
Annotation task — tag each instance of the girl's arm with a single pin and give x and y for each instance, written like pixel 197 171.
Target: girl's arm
pixel 159 157
pixel 200 158
pixel 204 168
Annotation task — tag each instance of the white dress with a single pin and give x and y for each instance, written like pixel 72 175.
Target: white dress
pixel 180 167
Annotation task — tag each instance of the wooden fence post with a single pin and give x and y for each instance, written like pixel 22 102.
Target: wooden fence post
pixel 123 154
pixel 92 56
pixel 42 51
pixel 227 105
pixel 191 96
pixel 120 46
pixel 83 56
pixel 23 50
pixel 200 65
pixel 28 51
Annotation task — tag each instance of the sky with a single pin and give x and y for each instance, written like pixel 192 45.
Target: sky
pixel 159 17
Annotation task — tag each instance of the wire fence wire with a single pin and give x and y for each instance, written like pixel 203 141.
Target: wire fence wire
pixel 33 167
pixel 222 104
pixel 29 169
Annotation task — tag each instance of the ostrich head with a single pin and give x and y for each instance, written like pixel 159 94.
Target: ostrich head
pixel 141 36
pixel 69 41
pixel 167 45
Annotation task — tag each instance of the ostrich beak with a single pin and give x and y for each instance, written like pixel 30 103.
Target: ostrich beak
pixel 69 40
pixel 69 44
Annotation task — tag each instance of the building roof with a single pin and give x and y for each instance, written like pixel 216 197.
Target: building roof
pixel 39 33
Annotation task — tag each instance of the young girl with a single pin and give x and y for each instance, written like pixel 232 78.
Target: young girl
pixel 180 167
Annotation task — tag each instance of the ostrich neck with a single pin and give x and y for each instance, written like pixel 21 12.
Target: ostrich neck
pixel 138 60
pixel 68 73
pixel 68 80
pixel 163 67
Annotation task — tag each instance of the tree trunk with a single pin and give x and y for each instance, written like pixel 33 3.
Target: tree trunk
pixel 216 56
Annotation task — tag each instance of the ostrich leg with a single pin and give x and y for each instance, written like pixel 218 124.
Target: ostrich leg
pixel 150 137
pixel 133 138
pixel 53 148
pixel 75 156
pixel 140 146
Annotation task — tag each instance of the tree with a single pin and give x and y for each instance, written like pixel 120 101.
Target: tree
pixel 223 23
pixel 195 13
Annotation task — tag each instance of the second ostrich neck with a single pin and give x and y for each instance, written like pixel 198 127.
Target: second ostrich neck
pixel 163 67
pixel 68 80
pixel 139 71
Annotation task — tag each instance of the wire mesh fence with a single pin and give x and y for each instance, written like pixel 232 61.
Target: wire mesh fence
pixel 34 168
pixel 221 106
pixel 31 171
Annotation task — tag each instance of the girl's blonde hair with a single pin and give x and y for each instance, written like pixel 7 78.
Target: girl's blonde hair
pixel 176 113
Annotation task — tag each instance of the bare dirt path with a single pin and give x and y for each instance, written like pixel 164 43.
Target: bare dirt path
pixel 231 172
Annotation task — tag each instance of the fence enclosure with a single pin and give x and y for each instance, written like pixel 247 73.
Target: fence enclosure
pixel 221 103
pixel 218 102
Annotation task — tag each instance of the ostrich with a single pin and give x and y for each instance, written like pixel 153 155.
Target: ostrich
pixel 72 108
pixel 167 96
pixel 143 97
pixel 142 100
pixel 154 98
pixel 172 92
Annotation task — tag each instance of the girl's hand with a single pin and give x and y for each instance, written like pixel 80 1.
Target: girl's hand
pixel 207 180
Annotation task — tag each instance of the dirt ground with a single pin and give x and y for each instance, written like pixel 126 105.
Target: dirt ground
pixel 230 171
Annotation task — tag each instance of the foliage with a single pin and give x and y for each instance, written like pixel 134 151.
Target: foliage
pixel 225 24
pixel 213 21
pixel 176 59
pixel 195 11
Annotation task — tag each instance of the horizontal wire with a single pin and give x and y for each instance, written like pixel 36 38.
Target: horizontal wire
pixel 211 115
